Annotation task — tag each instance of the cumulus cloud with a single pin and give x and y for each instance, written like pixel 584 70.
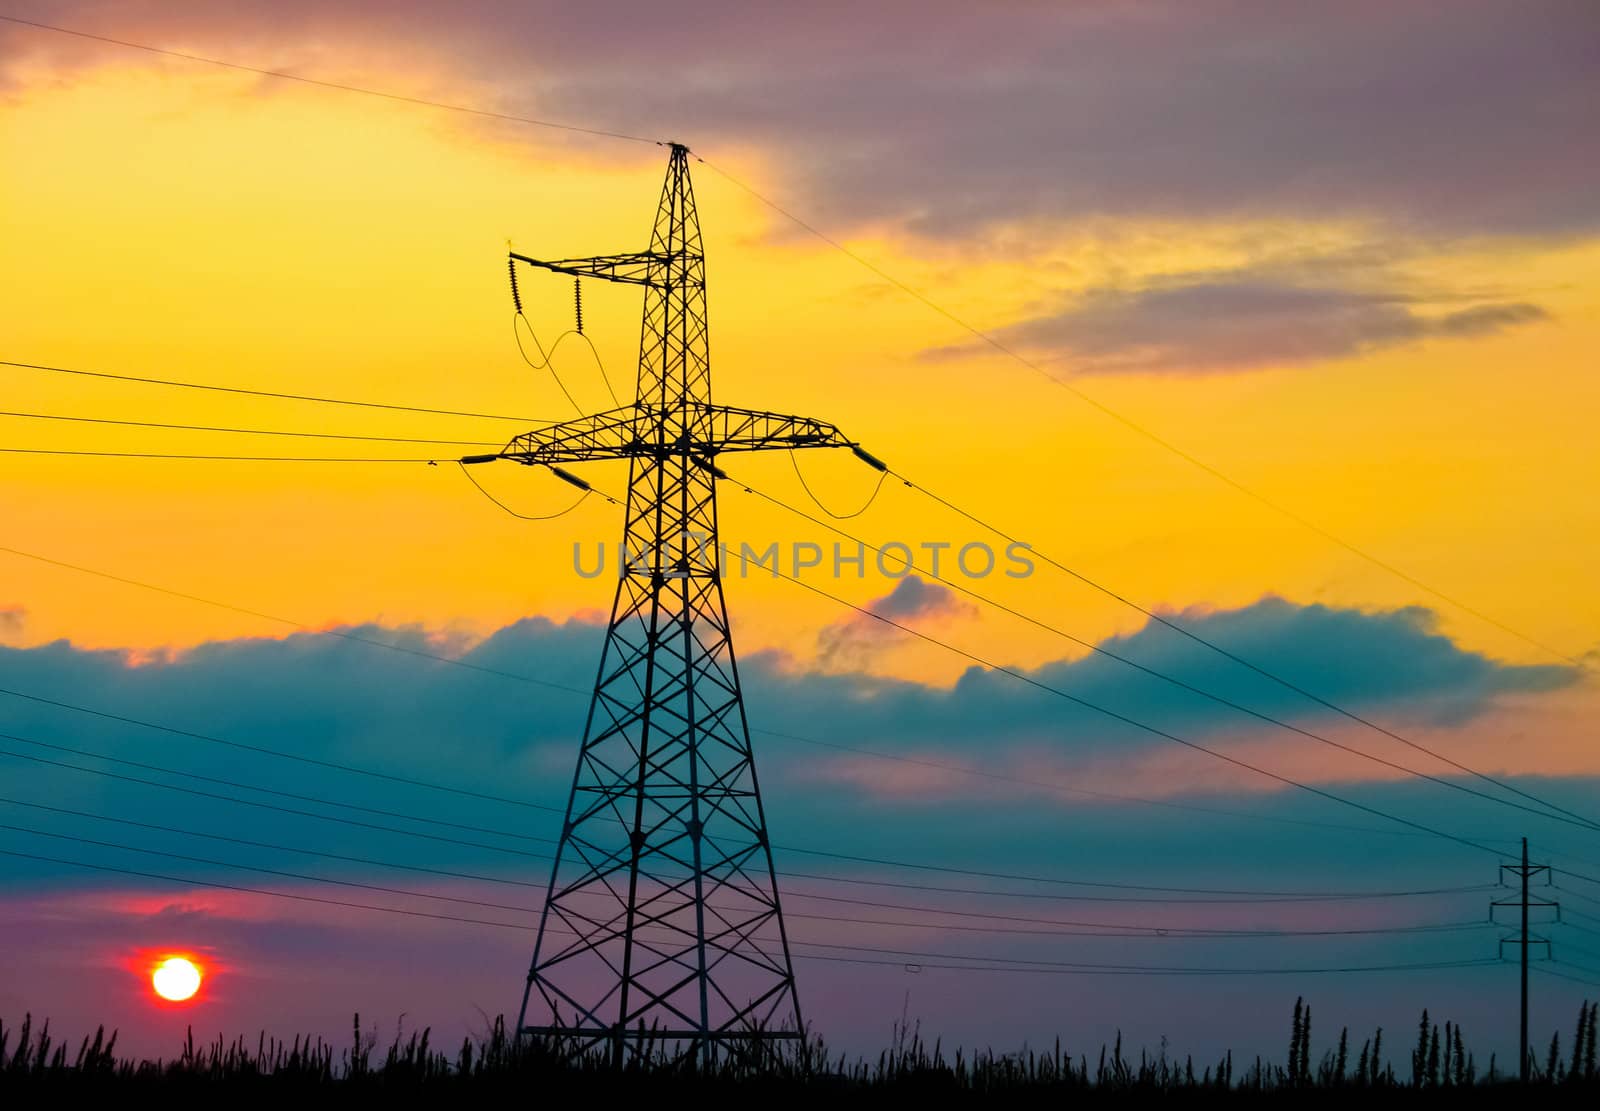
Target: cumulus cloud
pixel 1390 662
pixel 944 119
pixel 341 702
pixel 333 700
pixel 851 641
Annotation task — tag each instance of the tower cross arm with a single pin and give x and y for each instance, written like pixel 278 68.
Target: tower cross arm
pixel 613 434
pixel 647 268
pixel 735 429
pixel 633 431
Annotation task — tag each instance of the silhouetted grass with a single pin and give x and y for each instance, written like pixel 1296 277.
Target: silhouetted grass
pixel 33 1064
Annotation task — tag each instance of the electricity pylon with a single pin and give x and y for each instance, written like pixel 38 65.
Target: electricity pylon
pixel 1523 939
pixel 662 920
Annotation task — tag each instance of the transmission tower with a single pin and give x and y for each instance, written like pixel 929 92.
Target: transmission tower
pixel 1523 939
pixel 662 920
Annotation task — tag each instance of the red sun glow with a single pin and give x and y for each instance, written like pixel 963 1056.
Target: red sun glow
pixel 175 979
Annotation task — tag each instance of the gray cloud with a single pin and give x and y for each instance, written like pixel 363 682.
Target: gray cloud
pixel 850 641
pixel 914 596
pixel 1240 320
pixel 12 618
pixel 1482 320
pixel 1471 116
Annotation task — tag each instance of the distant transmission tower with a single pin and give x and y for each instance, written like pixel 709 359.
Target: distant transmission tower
pixel 1523 939
pixel 662 917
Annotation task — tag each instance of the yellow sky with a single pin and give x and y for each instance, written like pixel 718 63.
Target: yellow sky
pixel 168 220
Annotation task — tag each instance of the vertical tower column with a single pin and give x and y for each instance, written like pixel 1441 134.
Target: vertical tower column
pixel 663 910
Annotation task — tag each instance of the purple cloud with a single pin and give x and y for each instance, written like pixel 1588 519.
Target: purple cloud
pixel 1240 321
pixel 849 641
pixel 948 119
pixel 12 618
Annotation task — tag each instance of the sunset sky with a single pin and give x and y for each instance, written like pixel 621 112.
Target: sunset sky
pixel 1318 287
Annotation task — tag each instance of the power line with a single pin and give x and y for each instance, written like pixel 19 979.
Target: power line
pixel 1580 949
pixel 1129 422
pixel 1540 967
pixel 1568 912
pixel 1255 894
pixel 516 334
pixel 270 393
pixel 877 488
pixel 1133 722
pixel 263 790
pixel 1058 923
pixel 1314 790
pixel 489 797
pixel 257 890
pixel 583 497
pixel 549 356
pixel 204 458
pixel 1060 928
pixel 1570 856
pixel 1585 930
pixel 1250 665
pixel 282 75
pixel 1244 898
pixel 1041 964
pixel 919 966
pixel 997 966
pixel 262 750
pixel 248 431
pixel 480 878
pixel 232 866
pixel 274 807
pixel 860 260
pixel 1063 788
pixel 1127 720
pixel 342 635
pixel 1098 649
pixel 1582 898
pixel 1262 897
pixel 324 854
pixel 1153 933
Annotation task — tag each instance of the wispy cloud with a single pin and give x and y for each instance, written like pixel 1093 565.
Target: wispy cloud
pixel 1246 319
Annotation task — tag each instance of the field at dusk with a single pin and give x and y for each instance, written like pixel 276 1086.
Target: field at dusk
pixel 737 544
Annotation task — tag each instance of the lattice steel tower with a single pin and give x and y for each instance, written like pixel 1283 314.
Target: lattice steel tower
pixel 663 909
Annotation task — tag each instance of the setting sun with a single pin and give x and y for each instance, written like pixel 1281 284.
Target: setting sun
pixel 176 979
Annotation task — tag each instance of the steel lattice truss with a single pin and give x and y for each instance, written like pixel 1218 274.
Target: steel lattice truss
pixel 663 909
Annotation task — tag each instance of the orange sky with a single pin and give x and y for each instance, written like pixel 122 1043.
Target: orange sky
pixel 188 223
pixel 167 218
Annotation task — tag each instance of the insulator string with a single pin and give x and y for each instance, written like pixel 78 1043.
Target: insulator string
pixel 516 296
